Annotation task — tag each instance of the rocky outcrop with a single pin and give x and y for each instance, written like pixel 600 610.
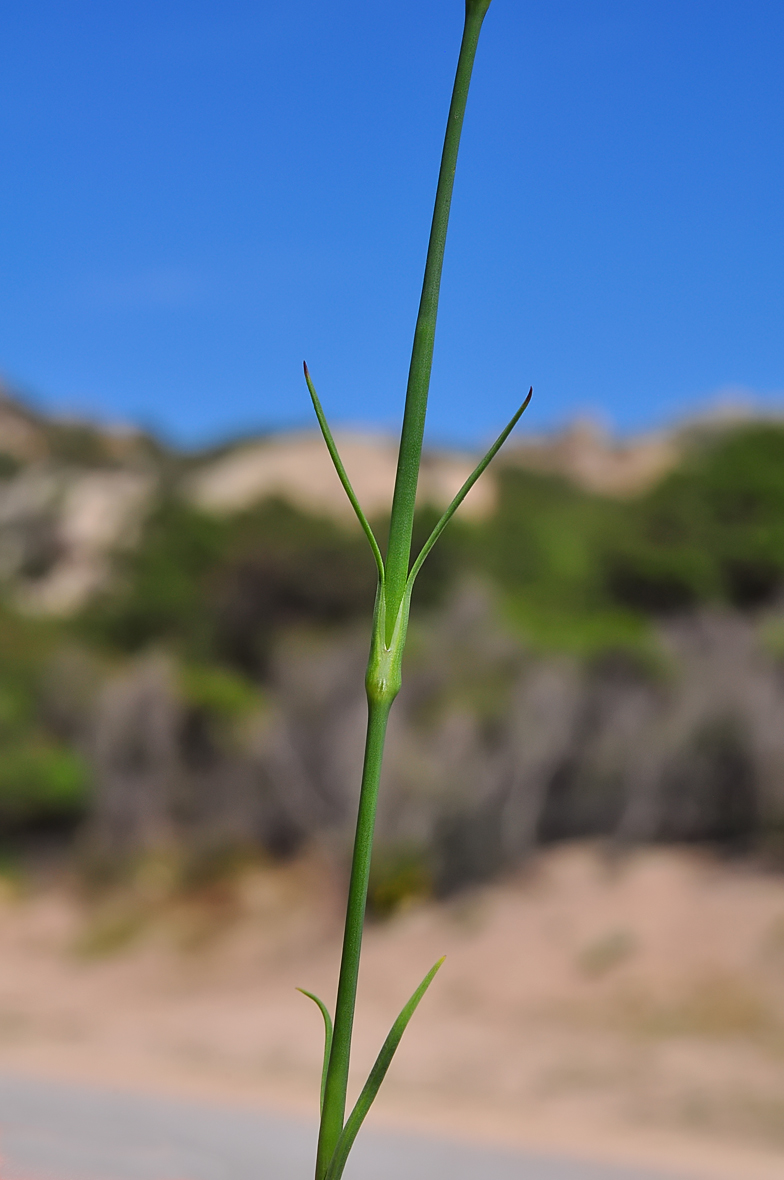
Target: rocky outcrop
pixel 59 527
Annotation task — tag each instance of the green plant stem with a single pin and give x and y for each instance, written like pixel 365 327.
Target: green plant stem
pixel 389 626
pixel 409 456
pixel 334 1108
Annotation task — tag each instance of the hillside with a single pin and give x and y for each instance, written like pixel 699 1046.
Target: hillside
pixel 182 640
pixel 71 492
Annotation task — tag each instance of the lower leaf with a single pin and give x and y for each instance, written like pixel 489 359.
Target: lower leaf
pixel 375 1078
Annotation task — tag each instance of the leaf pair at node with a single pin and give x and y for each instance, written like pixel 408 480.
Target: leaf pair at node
pixel 448 514
pixel 382 682
pixel 375 1077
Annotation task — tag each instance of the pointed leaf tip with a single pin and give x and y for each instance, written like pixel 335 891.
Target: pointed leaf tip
pixel 465 489
pixel 342 476
pixel 327 1036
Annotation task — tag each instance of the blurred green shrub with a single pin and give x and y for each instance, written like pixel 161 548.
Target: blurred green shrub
pixel 9 465
pixel 41 782
pixel 42 779
pixel 218 691
pixel 546 549
pixel 398 877
pixel 711 531
pixel 218 587
pixel 587 570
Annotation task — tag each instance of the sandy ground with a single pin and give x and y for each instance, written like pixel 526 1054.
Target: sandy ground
pixel 628 1011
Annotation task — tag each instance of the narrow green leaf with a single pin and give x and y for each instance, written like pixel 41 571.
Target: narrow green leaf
pixel 375 1078
pixel 342 476
pixel 327 1037
pixel 465 489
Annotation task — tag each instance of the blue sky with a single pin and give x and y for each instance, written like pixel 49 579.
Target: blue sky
pixel 196 196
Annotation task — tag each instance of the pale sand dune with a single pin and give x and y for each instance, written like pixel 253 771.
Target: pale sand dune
pixel 629 1011
pixel 298 468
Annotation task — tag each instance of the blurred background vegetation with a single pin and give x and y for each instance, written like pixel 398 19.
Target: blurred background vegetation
pixel 582 662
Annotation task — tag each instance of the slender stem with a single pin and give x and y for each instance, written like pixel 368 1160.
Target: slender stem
pixel 337 1073
pixel 392 603
pixel 402 520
